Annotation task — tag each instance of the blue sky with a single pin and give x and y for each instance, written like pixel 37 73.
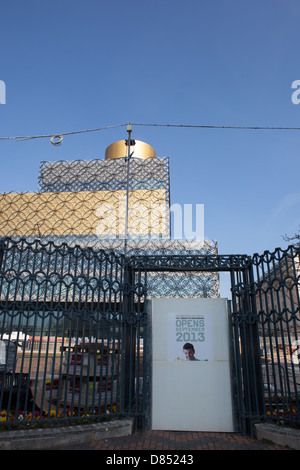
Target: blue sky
pixel 74 65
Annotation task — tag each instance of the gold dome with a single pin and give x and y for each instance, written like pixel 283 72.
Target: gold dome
pixel 120 150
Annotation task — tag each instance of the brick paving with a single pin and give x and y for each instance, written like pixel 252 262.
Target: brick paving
pixel 175 440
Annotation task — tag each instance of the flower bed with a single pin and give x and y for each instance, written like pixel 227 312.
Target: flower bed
pixel 21 419
pixel 281 416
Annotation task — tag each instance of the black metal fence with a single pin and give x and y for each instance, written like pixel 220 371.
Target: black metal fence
pixel 75 341
pixel 71 330
pixel 266 326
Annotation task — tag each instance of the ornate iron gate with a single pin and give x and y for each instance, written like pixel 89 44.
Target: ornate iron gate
pixel 74 333
pixel 265 327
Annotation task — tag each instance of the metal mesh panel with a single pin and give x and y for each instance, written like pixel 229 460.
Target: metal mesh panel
pixel 84 213
pixel 88 198
pixel 99 175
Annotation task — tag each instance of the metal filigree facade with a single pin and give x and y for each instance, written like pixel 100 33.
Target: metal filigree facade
pixel 79 213
pixel 84 202
pixel 105 175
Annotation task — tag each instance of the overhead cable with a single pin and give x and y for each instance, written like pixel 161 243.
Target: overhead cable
pixel 218 127
pixel 57 138
pixel 58 135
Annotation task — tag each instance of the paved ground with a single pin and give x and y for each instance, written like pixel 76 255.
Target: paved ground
pixel 171 440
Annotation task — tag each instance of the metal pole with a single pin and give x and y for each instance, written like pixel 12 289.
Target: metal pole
pixel 129 130
pixel 129 344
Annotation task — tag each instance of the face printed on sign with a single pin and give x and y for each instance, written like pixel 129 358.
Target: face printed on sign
pixel 189 352
pixel 190 337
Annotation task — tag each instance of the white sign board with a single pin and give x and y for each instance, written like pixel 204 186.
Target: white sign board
pixel 191 385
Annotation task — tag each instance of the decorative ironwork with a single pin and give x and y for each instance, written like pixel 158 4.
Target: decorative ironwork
pixel 68 323
pixel 71 309
pixel 266 325
pixel 182 276
pixel 188 262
